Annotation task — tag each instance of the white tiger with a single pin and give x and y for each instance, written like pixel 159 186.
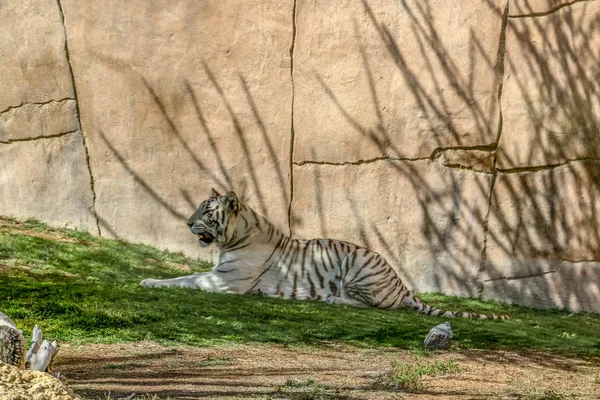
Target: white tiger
pixel 257 258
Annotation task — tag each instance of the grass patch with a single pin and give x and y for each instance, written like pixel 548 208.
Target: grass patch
pixel 83 289
pixel 214 361
pixel 297 389
pixel 108 396
pixel 408 376
pixel 537 393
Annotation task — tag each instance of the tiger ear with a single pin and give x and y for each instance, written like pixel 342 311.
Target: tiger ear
pixel 232 201
pixel 214 193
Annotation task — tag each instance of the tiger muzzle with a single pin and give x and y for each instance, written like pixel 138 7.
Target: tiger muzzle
pixel 205 237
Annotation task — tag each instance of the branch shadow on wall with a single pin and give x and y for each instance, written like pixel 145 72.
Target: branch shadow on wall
pixel 217 155
pixel 523 231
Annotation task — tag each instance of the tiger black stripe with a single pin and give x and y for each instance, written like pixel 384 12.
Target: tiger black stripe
pixel 313 291
pixel 319 275
pixel 302 261
pixel 333 288
pixel 295 290
pixel 256 257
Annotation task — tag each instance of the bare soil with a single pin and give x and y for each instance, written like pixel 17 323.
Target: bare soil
pixel 339 372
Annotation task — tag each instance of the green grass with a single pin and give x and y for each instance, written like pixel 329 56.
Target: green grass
pixel 215 361
pixel 537 393
pixel 86 290
pixel 297 389
pixel 108 396
pixel 407 376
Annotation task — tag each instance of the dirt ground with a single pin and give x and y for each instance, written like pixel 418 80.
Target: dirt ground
pixel 325 372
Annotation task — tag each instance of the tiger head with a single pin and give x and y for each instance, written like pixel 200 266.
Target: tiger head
pixel 214 219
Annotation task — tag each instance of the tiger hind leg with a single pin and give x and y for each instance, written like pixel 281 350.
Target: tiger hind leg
pixel 341 296
pixel 368 279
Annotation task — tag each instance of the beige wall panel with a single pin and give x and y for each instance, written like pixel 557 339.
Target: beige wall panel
pixel 425 219
pixel 33 66
pixel 400 79
pixel 179 97
pixel 47 179
pixel 35 120
pixel 573 286
pixel 551 95
pixel 540 218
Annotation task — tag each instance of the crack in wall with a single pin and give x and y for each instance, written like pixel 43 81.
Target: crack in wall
pixel 499 70
pixel 292 132
pixel 548 12
pixel 512 278
pixel 31 139
pixel 359 162
pixel 579 261
pixel 537 168
pixel 479 155
pixel 41 103
pixel 496 170
pixel 486 227
pixel 467 168
pixel 437 152
pixel 76 98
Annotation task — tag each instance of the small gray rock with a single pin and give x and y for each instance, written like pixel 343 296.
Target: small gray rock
pixel 439 337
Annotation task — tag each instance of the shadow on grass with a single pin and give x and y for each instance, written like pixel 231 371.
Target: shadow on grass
pixel 86 290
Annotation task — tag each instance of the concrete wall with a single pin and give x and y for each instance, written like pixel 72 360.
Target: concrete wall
pixel 460 139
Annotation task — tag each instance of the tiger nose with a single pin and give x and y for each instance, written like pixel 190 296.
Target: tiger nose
pixel 190 223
